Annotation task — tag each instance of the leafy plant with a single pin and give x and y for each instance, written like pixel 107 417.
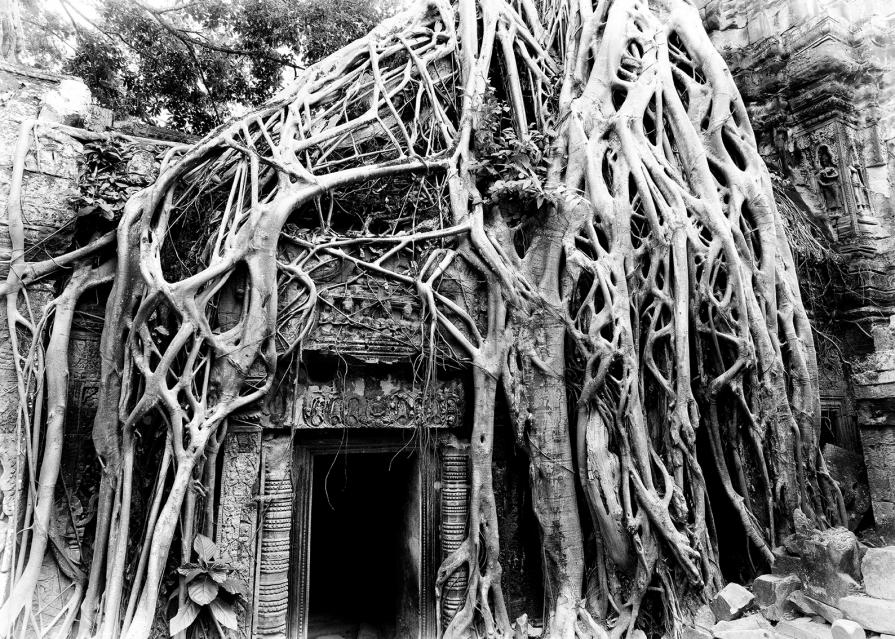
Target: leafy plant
pixel 103 185
pixel 211 587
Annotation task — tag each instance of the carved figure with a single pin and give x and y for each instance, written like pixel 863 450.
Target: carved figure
pixel 828 180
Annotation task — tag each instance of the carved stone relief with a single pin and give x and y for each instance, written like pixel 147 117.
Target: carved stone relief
pixel 238 512
pixel 827 154
pixel 454 516
pixel 272 586
pixel 383 402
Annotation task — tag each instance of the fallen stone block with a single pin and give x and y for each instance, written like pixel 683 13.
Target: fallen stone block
pixel 749 622
pixel 803 628
pixel 696 632
pixel 878 568
pixel 771 593
pixel 810 606
pixel 847 629
pixel 872 613
pixel 731 601
pixel 749 633
pixel 774 589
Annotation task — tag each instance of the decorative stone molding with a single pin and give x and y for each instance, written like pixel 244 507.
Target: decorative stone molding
pixel 238 511
pixel 277 495
pixel 454 519
pixel 384 402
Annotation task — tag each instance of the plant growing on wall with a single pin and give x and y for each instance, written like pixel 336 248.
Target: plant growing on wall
pixel 592 233
pixel 210 587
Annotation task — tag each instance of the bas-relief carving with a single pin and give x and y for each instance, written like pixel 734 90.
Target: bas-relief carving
pixel 238 512
pixel 454 517
pixel 275 501
pixel 370 402
pixel 827 156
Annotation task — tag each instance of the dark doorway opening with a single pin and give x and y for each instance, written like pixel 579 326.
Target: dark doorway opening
pixel 363 513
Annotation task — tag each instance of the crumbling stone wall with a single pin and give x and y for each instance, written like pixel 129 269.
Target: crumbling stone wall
pixel 49 181
pixel 819 81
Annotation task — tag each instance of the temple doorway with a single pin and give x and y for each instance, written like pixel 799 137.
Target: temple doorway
pixel 364 545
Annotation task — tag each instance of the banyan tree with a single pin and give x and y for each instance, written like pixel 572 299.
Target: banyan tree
pixel 573 193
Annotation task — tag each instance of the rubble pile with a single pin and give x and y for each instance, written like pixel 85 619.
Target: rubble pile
pixel 823 585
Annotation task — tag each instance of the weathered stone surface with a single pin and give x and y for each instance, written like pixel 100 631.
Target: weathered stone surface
pixel 811 606
pixel 695 632
pixel 749 622
pixel 847 469
pixel 784 563
pixel 830 566
pixel 704 617
pixel 878 567
pixel 749 633
pixel 879 453
pixel 772 592
pixel 238 522
pixel 774 589
pixel 847 629
pixel 803 628
pixel 142 168
pixel 731 602
pixel 872 613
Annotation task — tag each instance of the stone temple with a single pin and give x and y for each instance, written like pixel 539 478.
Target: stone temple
pixel 353 467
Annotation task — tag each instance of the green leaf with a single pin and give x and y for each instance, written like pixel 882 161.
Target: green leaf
pixel 184 617
pixel 205 548
pixel 203 590
pixel 224 613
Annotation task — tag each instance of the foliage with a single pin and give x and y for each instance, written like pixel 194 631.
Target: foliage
pixel 195 65
pixel 211 587
pixel 103 187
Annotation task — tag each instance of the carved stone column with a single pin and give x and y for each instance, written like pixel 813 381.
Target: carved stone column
pixel 238 512
pixel 454 518
pixel 272 592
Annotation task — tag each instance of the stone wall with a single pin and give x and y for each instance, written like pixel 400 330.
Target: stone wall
pixel 819 81
pixel 49 181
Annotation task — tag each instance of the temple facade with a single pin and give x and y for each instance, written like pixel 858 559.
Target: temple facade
pixel 360 455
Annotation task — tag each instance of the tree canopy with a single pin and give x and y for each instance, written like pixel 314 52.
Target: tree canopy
pixel 190 65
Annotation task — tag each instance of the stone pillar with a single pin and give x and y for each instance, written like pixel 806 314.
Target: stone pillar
pixel 277 494
pixel 238 511
pixel 454 519
pixel 874 384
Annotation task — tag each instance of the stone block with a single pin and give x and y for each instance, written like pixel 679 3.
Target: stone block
pixel 878 567
pixel 847 629
pixel 749 622
pixel 810 606
pixel 803 628
pixel 750 633
pixel 830 588
pixel 873 614
pixel 878 443
pixel 731 601
pixel 774 589
pixel 847 469
pixel 784 563
pixel 830 566
pixel 695 632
